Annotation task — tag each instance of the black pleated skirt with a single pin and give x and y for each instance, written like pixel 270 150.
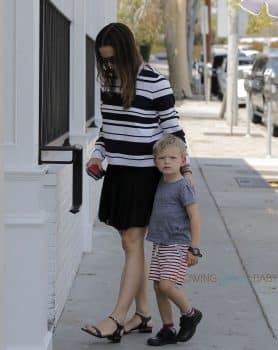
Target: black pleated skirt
pixel 127 196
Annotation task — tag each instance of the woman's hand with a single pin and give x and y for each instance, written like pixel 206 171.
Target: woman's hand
pixel 189 177
pixel 96 161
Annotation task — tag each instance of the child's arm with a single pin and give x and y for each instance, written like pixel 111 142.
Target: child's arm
pixel 195 229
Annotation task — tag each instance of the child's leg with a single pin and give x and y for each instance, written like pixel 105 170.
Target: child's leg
pixel 163 304
pixel 172 271
pixel 167 334
pixel 190 317
pixel 169 290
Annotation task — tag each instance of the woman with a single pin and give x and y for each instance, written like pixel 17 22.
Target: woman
pixel 137 108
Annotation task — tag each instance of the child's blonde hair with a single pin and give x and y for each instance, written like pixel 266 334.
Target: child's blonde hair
pixel 169 140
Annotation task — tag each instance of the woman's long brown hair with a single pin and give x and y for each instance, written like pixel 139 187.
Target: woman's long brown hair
pixel 126 59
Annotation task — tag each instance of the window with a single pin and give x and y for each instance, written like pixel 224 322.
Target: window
pixel 259 64
pixel 90 81
pixel 273 64
pixel 54 74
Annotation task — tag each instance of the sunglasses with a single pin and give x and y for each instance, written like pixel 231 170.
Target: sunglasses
pixel 107 61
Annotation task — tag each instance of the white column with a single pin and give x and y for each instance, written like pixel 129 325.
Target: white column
pixel 22 83
pixel 78 69
pixel 26 243
pixel 2 238
pixel 78 134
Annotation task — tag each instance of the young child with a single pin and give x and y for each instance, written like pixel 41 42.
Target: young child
pixel 174 230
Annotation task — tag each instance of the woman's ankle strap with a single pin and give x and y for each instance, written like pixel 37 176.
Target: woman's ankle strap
pixel 144 319
pixel 116 321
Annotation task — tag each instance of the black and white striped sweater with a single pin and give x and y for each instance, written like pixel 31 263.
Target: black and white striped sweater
pixel 127 136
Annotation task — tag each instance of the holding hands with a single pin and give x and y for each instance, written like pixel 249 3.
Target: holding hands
pixel 192 256
pixel 191 259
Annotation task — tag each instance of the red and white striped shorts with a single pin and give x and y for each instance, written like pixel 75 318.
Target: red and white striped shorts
pixel 169 262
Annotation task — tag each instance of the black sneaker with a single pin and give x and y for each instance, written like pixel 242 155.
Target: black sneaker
pixel 163 337
pixel 188 326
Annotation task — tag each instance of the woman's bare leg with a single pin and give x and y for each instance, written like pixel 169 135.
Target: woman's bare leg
pixel 133 272
pixel 142 297
pixel 141 302
pixel 132 275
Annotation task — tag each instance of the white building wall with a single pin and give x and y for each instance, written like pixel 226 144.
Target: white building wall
pixel 44 242
pixel 2 237
pixel 26 239
pixel 64 241
pixel 70 235
pixel 21 77
pixel 65 6
pixel 95 20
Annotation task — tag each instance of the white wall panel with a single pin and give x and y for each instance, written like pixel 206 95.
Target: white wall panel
pixel 2 197
pixel 9 72
pixel 64 6
pixel 99 14
pixel 22 76
pixel 64 239
pixel 42 234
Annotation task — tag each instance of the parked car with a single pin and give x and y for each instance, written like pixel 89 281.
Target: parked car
pixel 258 99
pixel 244 65
pixel 250 53
pixel 219 66
pixel 160 61
pixel 161 56
pixel 218 55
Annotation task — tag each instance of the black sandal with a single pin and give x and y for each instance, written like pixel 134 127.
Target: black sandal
pixel 143 326
pixel 115 337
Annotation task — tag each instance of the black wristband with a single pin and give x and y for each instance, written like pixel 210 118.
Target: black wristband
pixel 195 251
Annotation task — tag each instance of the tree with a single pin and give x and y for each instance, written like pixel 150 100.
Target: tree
pixel 175 19
pixel 261 23
pixel 144 18
pixel 192 9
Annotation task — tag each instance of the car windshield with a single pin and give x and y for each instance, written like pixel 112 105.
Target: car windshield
pixel 244 61
pixel 273 63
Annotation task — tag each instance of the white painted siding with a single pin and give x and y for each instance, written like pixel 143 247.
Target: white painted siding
pixel 64 243
pixel 70 235
pixel 41 233
pixel 64 234
pixel 2 235
pixel 65 6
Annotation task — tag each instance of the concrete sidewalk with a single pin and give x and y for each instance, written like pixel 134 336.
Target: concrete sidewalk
pixel 236 282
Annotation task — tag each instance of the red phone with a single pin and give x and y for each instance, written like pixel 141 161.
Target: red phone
pixel 95 172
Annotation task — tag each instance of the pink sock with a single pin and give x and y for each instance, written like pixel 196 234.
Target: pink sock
pixel 168 325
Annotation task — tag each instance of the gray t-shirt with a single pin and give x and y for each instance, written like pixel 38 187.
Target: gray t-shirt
pixel 169 223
